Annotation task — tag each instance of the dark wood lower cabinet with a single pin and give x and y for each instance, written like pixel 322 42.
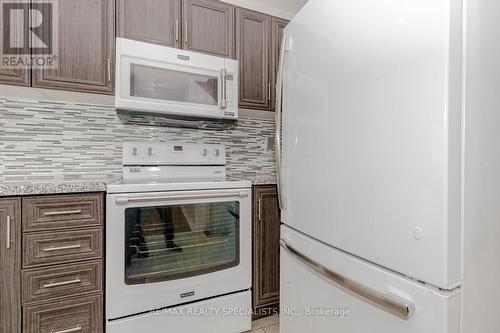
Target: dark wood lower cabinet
pixel 83 314
pixel 266 250
pixel 10 265
pixel 54 283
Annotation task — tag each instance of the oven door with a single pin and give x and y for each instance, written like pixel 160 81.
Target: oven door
pixel 168 248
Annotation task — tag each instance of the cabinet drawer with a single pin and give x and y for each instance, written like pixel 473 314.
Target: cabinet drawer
pixel 62 211
pixel 49 283
pixel 79 315
pixel 61 247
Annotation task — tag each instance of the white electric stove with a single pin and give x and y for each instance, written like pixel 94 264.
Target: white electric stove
pixel 178 242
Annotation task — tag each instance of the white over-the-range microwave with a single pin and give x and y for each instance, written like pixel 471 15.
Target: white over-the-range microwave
pixel 158 79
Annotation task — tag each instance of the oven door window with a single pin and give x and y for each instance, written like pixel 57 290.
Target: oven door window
pixel 172 85
pixel 171 242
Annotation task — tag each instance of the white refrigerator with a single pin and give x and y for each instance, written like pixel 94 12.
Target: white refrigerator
pixel 388 153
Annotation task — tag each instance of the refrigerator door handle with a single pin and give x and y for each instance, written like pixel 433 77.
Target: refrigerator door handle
pixel 390 303
pixel 277 114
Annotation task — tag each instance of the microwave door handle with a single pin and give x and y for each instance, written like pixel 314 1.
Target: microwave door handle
pixel 223 76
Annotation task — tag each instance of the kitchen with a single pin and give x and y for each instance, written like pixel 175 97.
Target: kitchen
pixel 237 165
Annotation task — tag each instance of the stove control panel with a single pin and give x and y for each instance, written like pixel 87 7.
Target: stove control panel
pixel 161 153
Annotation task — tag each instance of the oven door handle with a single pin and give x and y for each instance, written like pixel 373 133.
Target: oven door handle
pixel 151 198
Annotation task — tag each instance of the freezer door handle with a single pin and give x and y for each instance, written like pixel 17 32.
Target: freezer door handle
pixel 390 303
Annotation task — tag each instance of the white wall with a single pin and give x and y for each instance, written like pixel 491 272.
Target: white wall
pixel 280 8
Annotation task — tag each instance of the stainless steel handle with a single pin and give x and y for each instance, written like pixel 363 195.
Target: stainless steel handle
pixel 177 30
pixel 8 236
pixel 223 75
pixel 268 91
pixel 259 209
pixel 60 248
pixel 63 283
pixel 185 32
pixel 63 212
pixel 109 70
pixel 127 199
pixel 277 115
pixel 390 303
pixel 78 328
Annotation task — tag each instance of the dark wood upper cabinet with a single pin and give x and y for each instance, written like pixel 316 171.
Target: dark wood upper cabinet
pixel 277 27
pixel 266 247
pixel 10 265
pixel 152 21
pixel 20 77
pixel 86 43
pixel 252 51
pixel 208 27
pixel 85 48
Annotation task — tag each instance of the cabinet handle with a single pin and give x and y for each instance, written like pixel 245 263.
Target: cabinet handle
pixel 268 91
pixel 186 33
pixel 63 283
pixel 78 328
pixel 69 247
pixel 109 70
pixel 63 212
pixel 8 240
pixel 177 30
pixel 259 209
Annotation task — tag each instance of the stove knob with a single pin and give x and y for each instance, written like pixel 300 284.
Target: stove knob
pixel 135 151
pixel 150 151
pixel 204 152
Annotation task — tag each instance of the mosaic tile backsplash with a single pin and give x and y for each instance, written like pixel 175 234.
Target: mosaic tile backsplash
pixel 43 141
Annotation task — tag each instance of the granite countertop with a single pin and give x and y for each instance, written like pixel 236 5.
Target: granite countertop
pixel 52 187
pixel 78 186
pixel 264 180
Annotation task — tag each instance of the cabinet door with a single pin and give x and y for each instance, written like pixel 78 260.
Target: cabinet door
pixel 252 51
pixel 151 21
pixel 20 77
pixel 208 27
pixel 85 48
pixel 266 247
pixel 277 27
pixel 10 266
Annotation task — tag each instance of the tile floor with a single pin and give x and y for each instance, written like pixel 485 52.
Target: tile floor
pixel 266 325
